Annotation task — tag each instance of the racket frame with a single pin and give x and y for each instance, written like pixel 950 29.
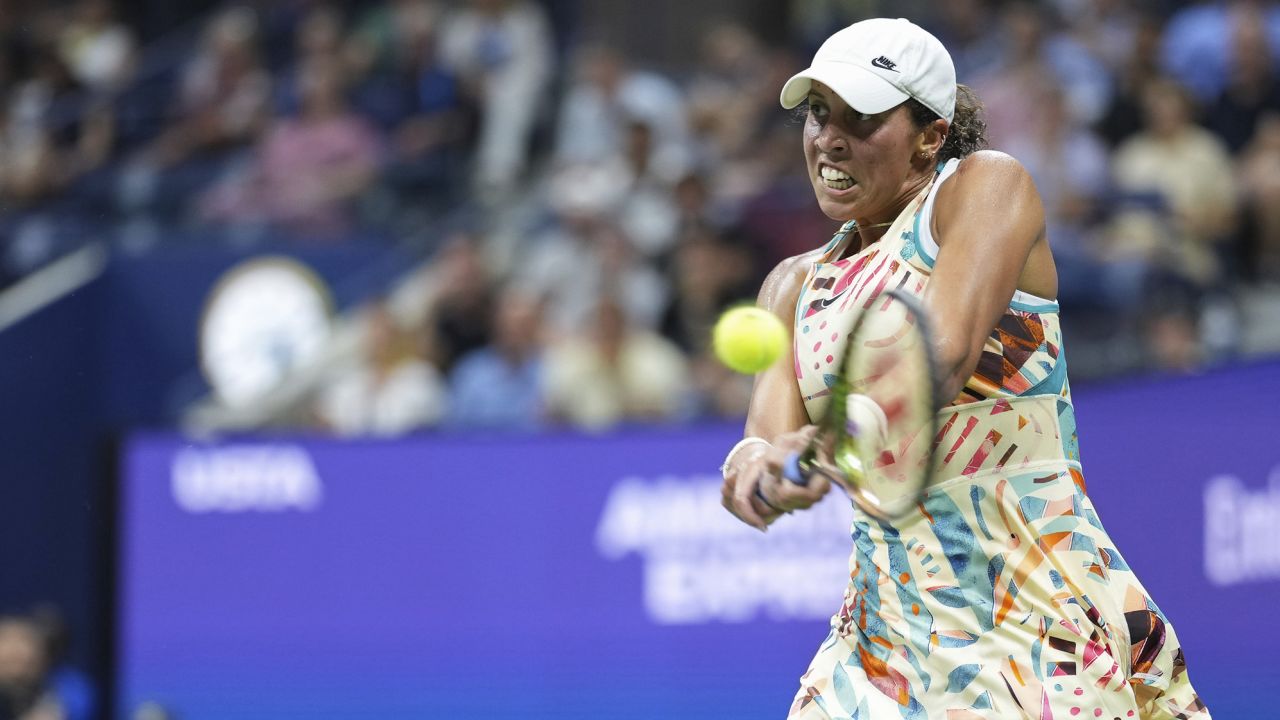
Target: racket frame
pixel 800 467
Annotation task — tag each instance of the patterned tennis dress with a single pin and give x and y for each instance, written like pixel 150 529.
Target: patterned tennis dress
pixel 1002 596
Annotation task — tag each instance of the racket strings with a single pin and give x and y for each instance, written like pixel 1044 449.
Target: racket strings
pixel 889 365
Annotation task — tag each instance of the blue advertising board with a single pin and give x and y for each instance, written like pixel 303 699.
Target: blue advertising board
pixel 568 576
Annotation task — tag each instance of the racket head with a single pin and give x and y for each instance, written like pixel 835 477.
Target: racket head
pixel 879 436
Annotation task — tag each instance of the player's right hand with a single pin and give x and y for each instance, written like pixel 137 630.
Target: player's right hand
pixel 754 489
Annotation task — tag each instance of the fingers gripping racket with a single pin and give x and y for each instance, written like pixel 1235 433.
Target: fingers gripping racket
pixel 878 435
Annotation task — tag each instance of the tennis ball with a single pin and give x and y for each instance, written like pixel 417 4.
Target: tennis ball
pixel 748 339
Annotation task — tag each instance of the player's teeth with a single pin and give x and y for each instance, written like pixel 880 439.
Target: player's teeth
pixel 835 179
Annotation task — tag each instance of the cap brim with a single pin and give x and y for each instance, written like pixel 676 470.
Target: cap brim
pixel 861 89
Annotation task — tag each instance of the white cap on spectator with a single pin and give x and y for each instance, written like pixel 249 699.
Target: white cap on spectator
pixel 877 64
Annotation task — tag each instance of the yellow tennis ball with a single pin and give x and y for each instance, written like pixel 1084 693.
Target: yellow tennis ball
pixel 749 339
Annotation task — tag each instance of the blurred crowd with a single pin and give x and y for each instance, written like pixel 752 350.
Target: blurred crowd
pixel 589 213
pixel 36 683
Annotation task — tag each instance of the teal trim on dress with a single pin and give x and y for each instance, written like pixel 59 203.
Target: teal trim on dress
pixel 915 241
pixel 1050 306
pixel 1055 382
pixel 1067 427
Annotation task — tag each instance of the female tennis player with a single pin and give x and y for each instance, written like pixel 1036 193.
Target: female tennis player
pixel 1003 596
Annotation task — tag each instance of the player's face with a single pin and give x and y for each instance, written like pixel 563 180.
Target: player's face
pixel 861 166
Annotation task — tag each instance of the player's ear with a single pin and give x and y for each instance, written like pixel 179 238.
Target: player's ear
pixel 931 139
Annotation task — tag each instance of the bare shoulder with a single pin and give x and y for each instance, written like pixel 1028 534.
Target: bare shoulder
pixel 990 181
pixel 985 167
pixel 781 288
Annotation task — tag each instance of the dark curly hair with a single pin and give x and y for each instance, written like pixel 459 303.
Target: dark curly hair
pixel 968 131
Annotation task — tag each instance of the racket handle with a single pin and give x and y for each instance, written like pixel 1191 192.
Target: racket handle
pixel 792 471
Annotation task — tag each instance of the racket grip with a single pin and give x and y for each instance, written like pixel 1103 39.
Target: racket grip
pixel 792 471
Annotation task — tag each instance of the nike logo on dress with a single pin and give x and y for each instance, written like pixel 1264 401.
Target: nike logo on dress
pixel 824 303
pixel 885 63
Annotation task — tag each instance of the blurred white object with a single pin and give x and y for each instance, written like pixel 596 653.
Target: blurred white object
pixel 866 419
pixel 390 390
pixel 265 318
pixel 614 372
pixel 409 397
pixel 502 48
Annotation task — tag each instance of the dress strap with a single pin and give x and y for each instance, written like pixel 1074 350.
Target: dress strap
pixel 927 245
pixel 836 245
pixel 922 234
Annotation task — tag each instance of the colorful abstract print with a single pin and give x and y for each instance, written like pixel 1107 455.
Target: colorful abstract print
pixel 1003 596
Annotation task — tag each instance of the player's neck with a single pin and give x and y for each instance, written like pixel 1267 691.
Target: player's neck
pixel 872 228
pixel 871 233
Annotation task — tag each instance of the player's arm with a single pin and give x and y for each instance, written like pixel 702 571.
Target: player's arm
pixel 776 414
pixel 988 221
pixel 776 405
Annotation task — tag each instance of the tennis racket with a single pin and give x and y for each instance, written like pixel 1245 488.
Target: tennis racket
pixel 879 434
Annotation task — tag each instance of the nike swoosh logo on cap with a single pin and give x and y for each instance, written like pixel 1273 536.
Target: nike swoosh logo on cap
pixel 885 63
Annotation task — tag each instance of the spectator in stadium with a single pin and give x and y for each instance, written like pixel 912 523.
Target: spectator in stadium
pixel 222 107
pixel 647 213
pixel 696 205
pixel 24 665
pixel 607 100
pixel 390 390
pixel 1198 38
pixel 53 138
pixel 728 134
pixel 1177 211
pixel 1260 190
pixel 1139 67
pixel 709 275
pixel 318 34
pixel 28 173
pixel 964 26
pixel 1252 87
pixel 778 216
pixel 418 102
pixel 1071 169
pixel 455 299
pixel 1185 176
pixel 224 95
pixel 72 687
pixel 613 371
pixel 386 37
pixel 308 170
pixel 501 52
pixel 1107 28
pixel 1036 52
pixel 584 253
pixel 98 48
pixel 52 135
pixel 499 386
pixel 733 61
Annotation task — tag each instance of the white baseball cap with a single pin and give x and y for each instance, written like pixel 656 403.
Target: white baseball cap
pixel 877 64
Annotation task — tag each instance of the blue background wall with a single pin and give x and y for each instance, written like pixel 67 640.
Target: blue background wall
pixel 569 576
pixel 120 352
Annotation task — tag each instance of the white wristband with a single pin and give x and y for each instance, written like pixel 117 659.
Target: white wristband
pixel 734 450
